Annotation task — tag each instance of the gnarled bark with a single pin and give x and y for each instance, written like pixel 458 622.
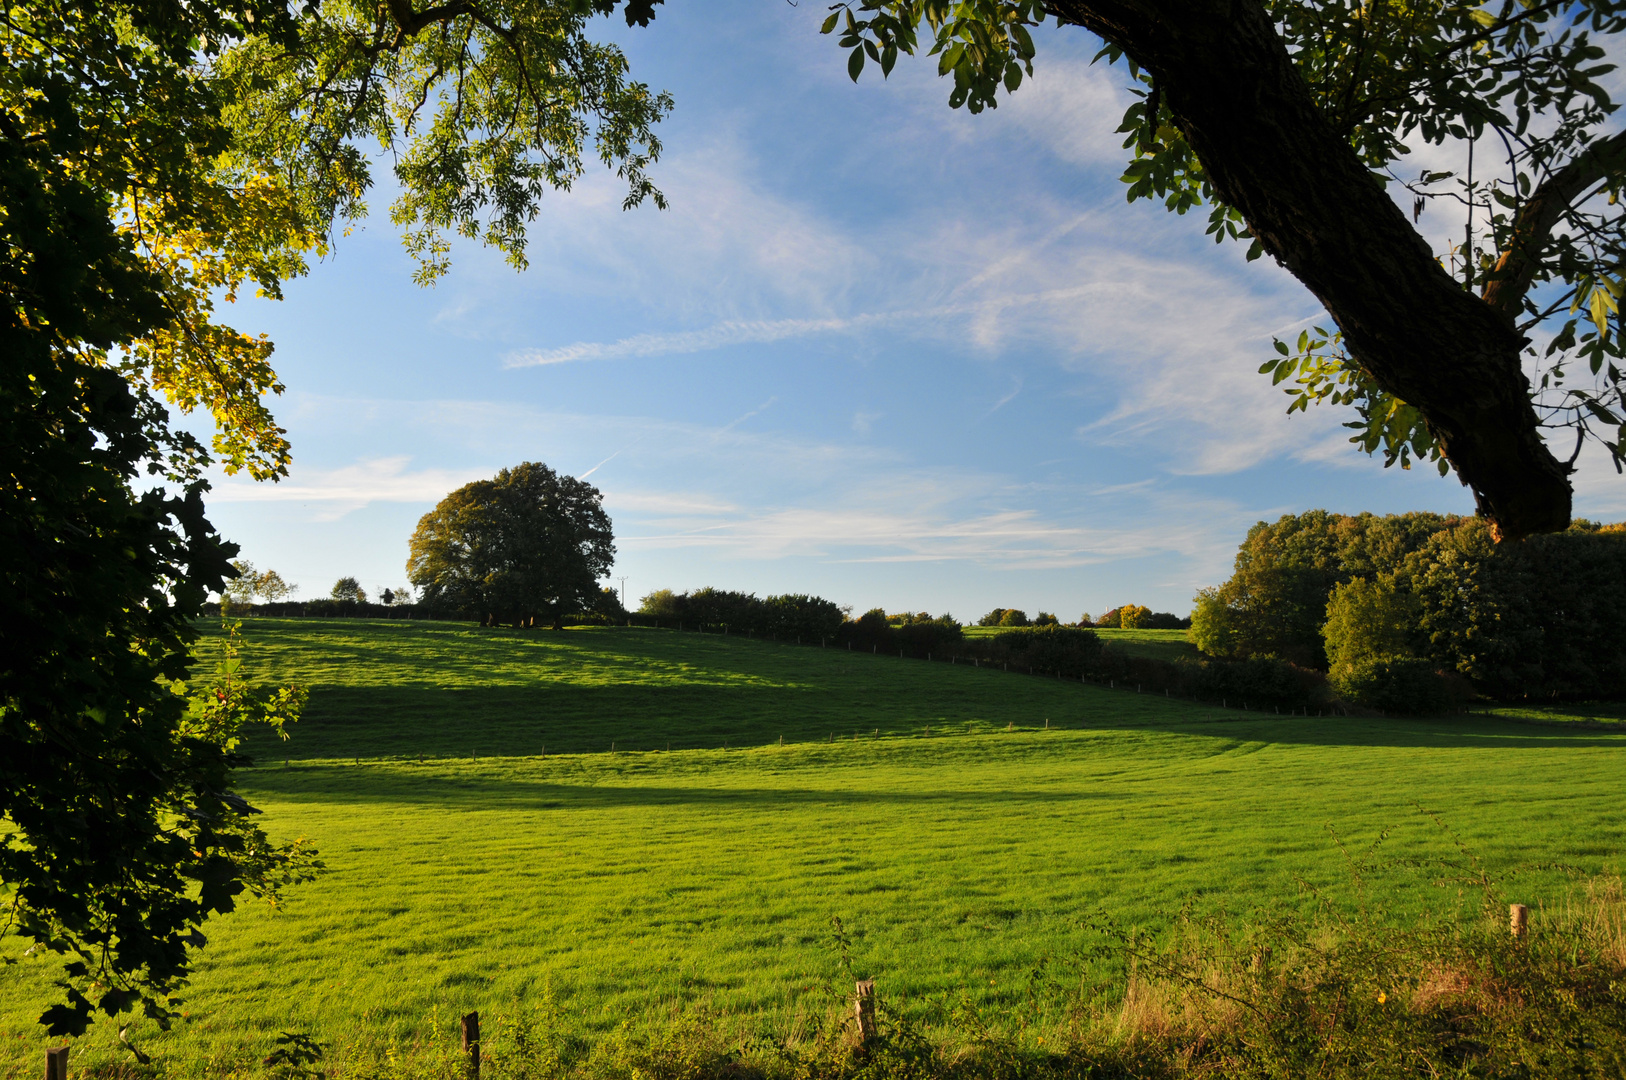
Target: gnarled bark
pixel 1249 115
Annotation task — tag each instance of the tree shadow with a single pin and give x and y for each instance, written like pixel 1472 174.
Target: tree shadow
pixel 406 722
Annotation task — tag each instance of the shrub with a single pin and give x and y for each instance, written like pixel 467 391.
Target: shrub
pixel 992 618
pixel 1014 617
pixel 664 604
pixel 1045 618
pixel 1369 619
pixel 1217 627
pixel 1257 682
pixel 808 618
pixel 924 635
pixel 1063 649
pixel 1395 684
pixel 1133 616
pixel 348 589
pixel 1164 620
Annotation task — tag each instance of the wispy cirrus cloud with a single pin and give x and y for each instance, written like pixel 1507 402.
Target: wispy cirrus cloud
pixel 717 336
pixel 336 492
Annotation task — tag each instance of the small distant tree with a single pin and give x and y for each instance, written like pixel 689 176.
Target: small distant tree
pixel 348 588
pixel 1109 621
pixel 663 604
pixel 1045 618
pixel 527 544
pixel 1014 617
pixel 1133 616
pixel 608 604
pixel 238 592
pixel 272 587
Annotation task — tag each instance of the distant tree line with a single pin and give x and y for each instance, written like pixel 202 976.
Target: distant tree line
pixel 1125 617
pixel 1070 652
pixel 1408 611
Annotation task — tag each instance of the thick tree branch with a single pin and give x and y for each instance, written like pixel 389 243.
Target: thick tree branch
pixel 1233 90
pixel 409 22
pixel 1540 214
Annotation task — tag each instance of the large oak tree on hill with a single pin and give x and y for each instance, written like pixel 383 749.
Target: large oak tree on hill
pixel 529 544
pixel 1288 115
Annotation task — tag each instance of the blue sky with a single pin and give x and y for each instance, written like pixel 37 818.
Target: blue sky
pixel 878 350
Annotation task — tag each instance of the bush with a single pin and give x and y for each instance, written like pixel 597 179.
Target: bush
pixel 1045 618
pixel 1369 619
pixel 348 589
pixel 664 604
pixel 1396 684
pixel 1063 649
pixel 1133 616
pixel 1014 617
pixel 1164 620
pixel 1257 682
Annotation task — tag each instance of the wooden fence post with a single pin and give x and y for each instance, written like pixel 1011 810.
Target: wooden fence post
pixel 1518 919
pixel 471 1042
pixel 56 1063
pixel 864 1009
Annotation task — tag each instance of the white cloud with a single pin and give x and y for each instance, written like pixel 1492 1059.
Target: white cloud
pixel 1073 108
pixel 689 341
pixel 339 491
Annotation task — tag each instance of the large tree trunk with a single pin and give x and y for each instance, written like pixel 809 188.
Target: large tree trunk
pixel 1248 114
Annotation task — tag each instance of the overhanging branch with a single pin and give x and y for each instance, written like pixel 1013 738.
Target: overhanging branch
pixel 1533 225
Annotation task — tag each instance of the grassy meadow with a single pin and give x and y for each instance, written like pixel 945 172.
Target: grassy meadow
pixel 488 848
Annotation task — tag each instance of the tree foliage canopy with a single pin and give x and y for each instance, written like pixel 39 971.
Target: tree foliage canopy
pixel 527 544
pixel 1535 619
pixel 156 156
pixel 1289 118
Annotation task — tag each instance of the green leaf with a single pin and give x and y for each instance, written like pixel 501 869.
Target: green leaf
pixel 830 23
pixel 855 63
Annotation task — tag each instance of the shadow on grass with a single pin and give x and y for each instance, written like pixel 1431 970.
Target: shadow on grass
pixel 405 722
pixel 467 788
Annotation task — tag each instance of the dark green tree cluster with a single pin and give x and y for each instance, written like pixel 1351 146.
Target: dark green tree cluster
pixel 1384 602
pixel 913 633
pixel 788 617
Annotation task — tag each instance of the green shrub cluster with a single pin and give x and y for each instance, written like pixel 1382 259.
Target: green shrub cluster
pixel 1005 617
pixel 1139 617
pixel 788 616
pixel 1400 610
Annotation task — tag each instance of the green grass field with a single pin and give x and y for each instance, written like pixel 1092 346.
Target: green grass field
pixel 1157 644
pixel 926 805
